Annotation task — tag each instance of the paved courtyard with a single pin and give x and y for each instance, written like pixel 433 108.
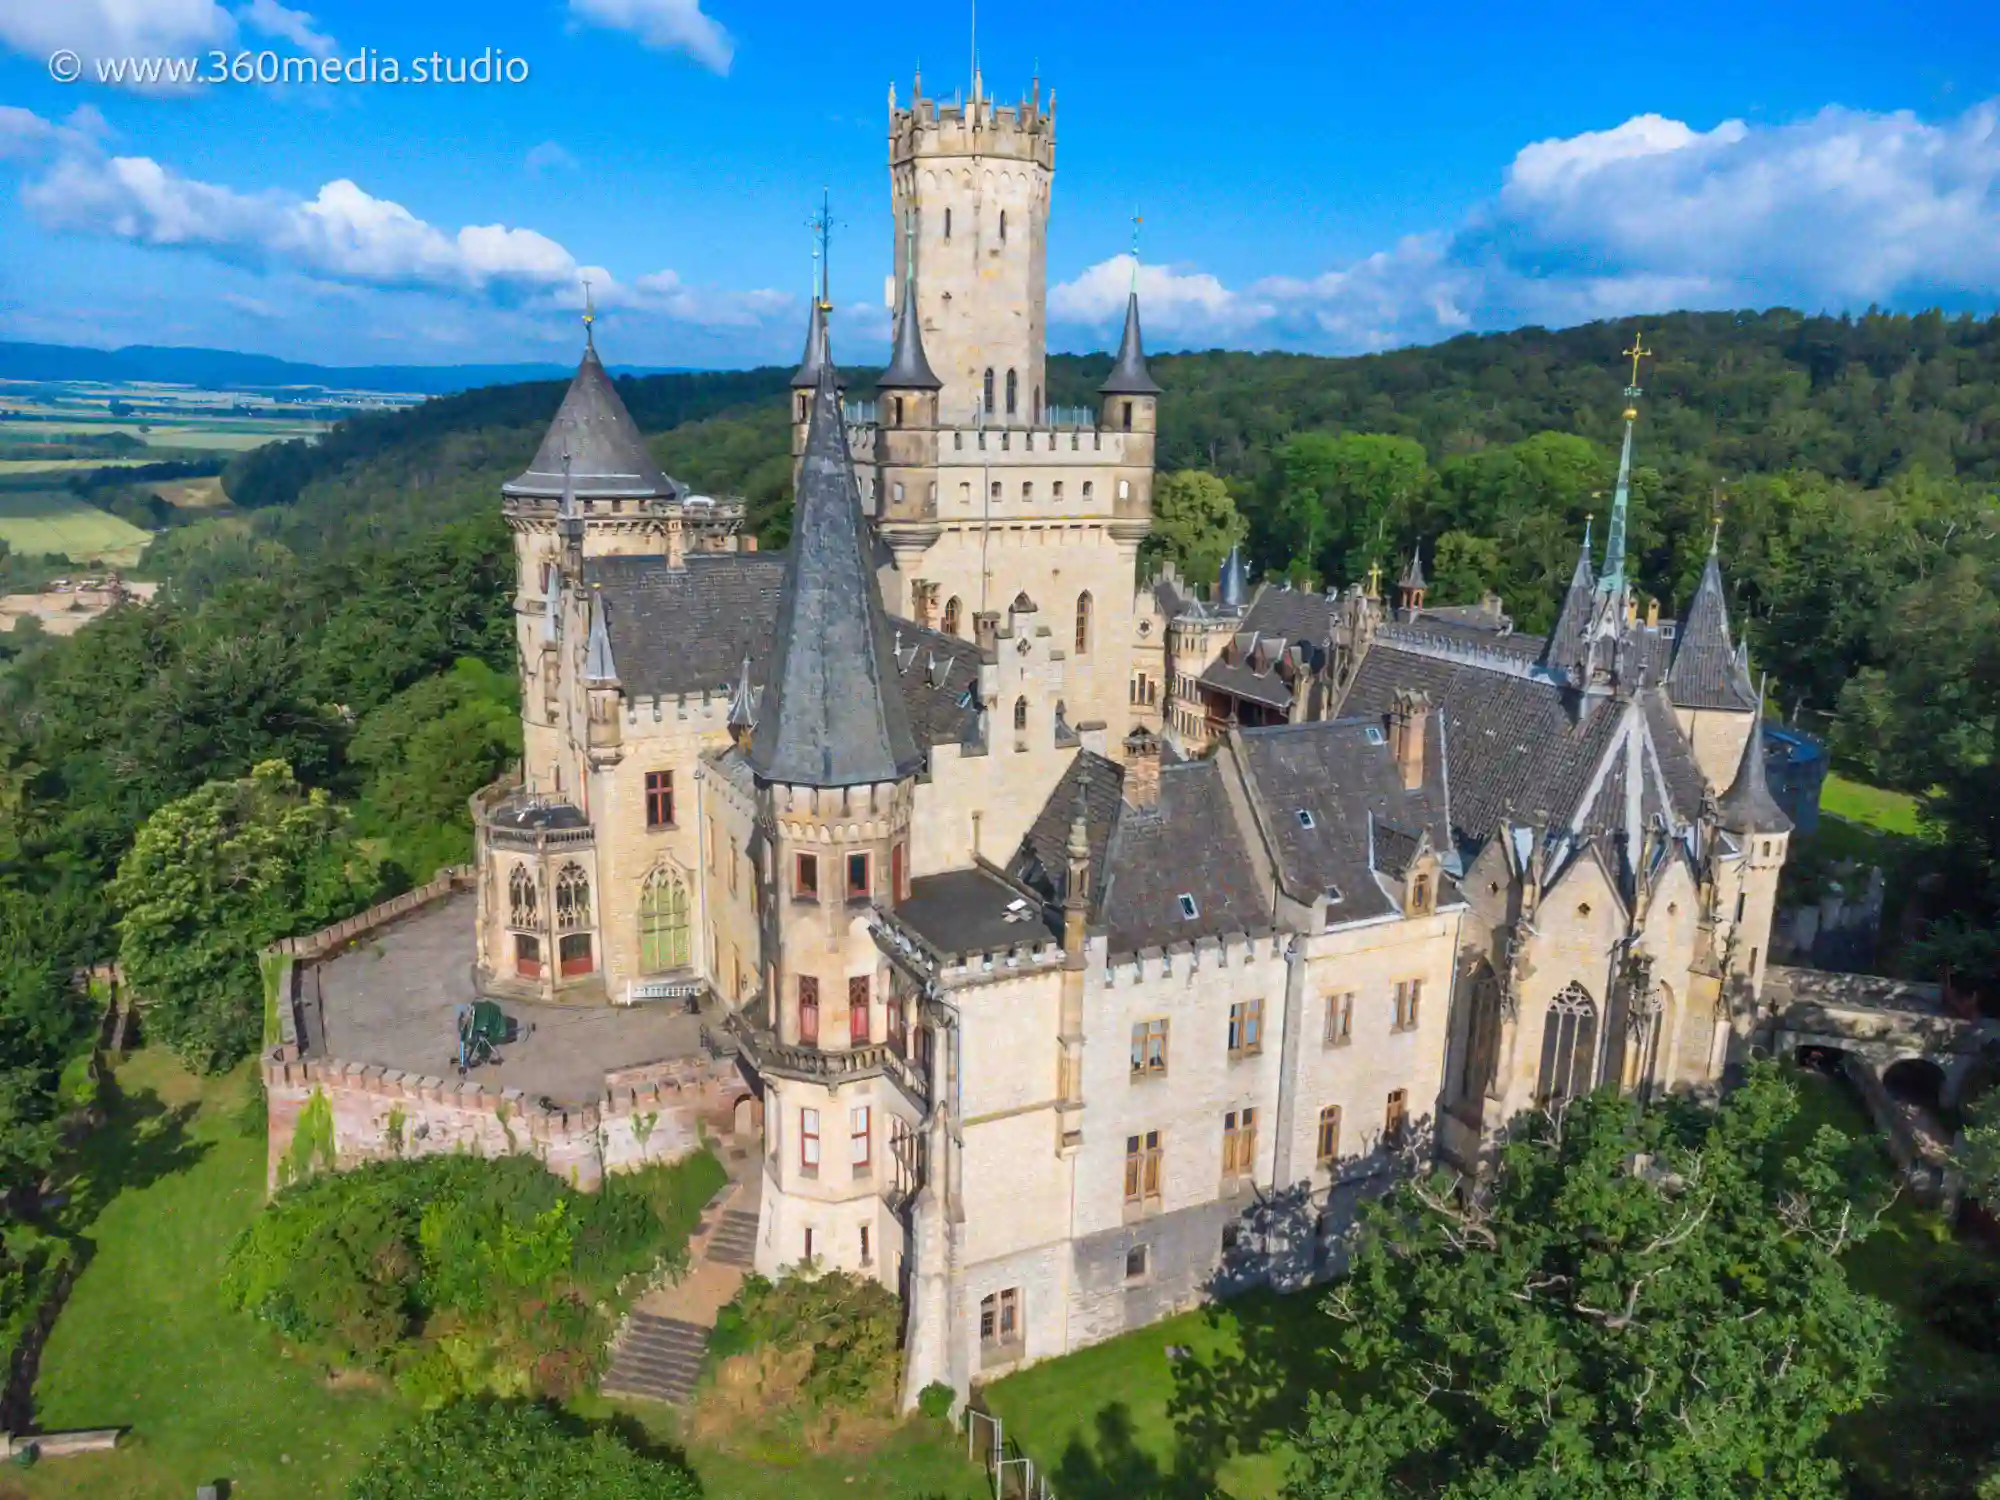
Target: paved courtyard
pixel 393 999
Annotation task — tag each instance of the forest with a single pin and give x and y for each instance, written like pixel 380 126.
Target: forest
pixel 347 623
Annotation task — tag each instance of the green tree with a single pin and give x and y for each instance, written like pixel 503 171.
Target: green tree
pixel 1195 523
pixel 512 1448
pixel 1640 1302
pixel 1464 567
pixel 1344 498
pixel 209 880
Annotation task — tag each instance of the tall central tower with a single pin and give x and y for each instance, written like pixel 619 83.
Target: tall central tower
pixel 973 178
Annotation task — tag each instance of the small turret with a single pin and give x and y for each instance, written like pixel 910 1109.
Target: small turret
pixel 1129 390
pixel 1232 585
pixel 1413 586
pixel 1748 806
pixel 908 369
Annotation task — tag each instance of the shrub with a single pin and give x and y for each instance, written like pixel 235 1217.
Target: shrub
pixel 936 1401
pixel 847 1330
pixel 1965 1308
pixel 459 1275
pixel 512 1448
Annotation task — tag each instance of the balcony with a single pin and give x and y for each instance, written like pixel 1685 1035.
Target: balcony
pixel 812 1065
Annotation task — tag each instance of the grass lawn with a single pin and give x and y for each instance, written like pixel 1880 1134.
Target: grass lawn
pixel 145 1342
pixel 54 521
pixel 1870 806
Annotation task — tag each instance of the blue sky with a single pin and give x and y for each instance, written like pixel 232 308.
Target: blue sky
pixel 1323 177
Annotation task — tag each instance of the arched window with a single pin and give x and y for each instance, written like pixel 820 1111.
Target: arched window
pixel 572 898
pixel 1087 489
pixel 1083 622
pixel 524 906
pixel 951 615
pixel 1013 389
pixel 989 390
pixel 1482 1042
pixel 1128 415
pixel 1020 713
pixel 1420 894
pixel 1569 1046
pixel 663 922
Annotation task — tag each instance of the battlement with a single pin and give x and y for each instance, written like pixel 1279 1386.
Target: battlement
pixel 1023 131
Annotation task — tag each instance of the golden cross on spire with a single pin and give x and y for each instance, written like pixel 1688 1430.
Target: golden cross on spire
pixel 1637 352
pixel 589 315
pixel 1374 580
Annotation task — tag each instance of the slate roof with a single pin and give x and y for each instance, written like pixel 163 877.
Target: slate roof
pixel 1279 619
pixel 1748 806
pixel 1565 642
pixel 1129 376
pixel 1705 672
pixel 908 369
pixel 1042 861
pixel 973 911
pixel 939 676
pixel 1190 844
pixel 687 629
pixel 832 713
pixel 608 456
pixel 1363 819
pixel 816 356
pixel 1232 586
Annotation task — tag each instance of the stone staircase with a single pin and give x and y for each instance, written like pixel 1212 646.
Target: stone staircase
pixel 656 1359
pixel 657 1355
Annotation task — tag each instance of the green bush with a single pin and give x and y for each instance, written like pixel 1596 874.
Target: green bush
pixel 459 1275
pixel 513 1448
pixel 852 1325
pixel 936 1400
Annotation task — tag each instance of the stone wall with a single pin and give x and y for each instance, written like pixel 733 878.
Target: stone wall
pixel 378 1114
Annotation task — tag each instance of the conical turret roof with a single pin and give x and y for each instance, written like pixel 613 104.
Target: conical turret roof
pixel 1413 575
pixel 607 455
pixel 908 369
pixel 832 713
pixel 807 375
pixel 1566 642
pixel 1232 587
pixel 1748 806
pixel 1705 671
pixel 1129 376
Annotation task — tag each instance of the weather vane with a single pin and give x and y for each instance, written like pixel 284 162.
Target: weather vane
pixel 1137 220
pixel 821 224
pixel 1637 352
pixel 589 315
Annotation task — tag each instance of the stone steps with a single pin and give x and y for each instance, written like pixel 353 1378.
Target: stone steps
pixel 734 1242
pixel 656 1358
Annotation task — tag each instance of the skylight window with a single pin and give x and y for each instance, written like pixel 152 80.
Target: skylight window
pixel 1188 910
pixel 1375 736
pixel 1306 818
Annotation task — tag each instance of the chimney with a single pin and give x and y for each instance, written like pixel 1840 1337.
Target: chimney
pixel 1652 614
pixel 1142 769
pixel 986 631
pixel 1409 722
pixel 746 541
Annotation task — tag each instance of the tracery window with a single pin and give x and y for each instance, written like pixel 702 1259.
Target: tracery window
pixel 572 898
pixel 663 922
pixel 1013 389
pixel 1020 713
pixel 524 905
pixel 1569 1046
pixel 989 390
pixel 951 608
pixel 1083 622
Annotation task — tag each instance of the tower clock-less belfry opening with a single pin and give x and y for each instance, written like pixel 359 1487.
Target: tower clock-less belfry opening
pixel 1089 944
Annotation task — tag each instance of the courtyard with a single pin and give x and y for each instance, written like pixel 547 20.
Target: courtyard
pixel 393 998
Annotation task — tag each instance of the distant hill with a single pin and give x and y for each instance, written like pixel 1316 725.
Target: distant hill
pixel 224 369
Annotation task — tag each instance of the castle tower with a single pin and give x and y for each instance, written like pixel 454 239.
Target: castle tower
pixel 906 413
pixel 1762 829
pixel 974 179
pixel 835 763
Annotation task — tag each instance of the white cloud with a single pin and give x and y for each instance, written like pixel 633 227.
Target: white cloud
pixel 548 157
pixel 1835 211
pixel 670 25
pixel 114 28
pixel 294 26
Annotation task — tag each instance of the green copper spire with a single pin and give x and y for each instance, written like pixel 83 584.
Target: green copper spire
pixel 1612 579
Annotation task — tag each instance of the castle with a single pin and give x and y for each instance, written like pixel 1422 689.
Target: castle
pixel 1091 943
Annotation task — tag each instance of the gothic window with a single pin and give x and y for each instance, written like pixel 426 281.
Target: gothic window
pixel 1012 390
pixel 989 390
pixel 574 952
pixel 1083 622
pixel 857 1011
pixel 1482 1043
pixel 1569 1046
pixel 1020 713
pixel 808 1010
pixel 663 922
pixel 524 906
pixel 572 898
pixel 951 608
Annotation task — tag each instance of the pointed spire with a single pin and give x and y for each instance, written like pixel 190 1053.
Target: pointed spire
pixel 1612 579
pixel 1565 645
pixel 1748 806
pixel 743 701
pixel 1413 575
pixel 1232 586
pixel 594 431
pixel 908 369
pixel 807 374
pixel 833 713
pixel 1128 375
pixel 1706 671
pixel 598 667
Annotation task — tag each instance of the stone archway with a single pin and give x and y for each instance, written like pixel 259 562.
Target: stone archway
pixel 1915 1080
pixel 747 1121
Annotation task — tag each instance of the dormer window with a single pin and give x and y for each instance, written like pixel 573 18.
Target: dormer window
pixel 1188 910
pixel 1375 736
pixel 1306 818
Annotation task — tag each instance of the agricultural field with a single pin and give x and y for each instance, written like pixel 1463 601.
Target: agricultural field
pixel 53 465
pixel 55 521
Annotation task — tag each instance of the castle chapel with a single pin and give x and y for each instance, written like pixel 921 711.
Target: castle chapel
pixel 1092 944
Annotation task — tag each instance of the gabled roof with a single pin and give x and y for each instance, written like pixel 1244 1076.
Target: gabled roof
pixel 607 455
pixel 833 713
pixel 1705 672
pixel 1129 376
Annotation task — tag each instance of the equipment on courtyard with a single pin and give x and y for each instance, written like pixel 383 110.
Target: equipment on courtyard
pixel 483 1028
